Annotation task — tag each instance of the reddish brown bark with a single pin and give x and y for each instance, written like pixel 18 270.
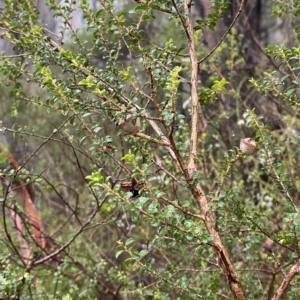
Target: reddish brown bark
pixel 26 193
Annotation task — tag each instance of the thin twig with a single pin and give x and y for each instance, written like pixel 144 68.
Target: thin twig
pixel 15 55
pixel 224 35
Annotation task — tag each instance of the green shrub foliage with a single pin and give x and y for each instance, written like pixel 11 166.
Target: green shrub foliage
pixel 125 119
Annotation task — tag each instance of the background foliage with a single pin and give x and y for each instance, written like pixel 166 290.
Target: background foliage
pixel 174 211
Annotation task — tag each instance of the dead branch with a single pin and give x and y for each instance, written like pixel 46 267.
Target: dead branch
pixel 27 198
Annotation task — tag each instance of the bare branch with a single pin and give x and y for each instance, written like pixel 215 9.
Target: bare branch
pixel 287 279
pixel 224 35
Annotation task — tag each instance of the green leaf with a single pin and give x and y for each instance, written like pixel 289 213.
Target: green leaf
pixel 147 17
pixel 129 242
pixel 153 208
pixel 82 140
pixel 144 252
pixel 129 157
pixel 119 253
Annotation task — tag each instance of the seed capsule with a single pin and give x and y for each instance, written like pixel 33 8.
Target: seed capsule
pixel 128 125
pixel 248 146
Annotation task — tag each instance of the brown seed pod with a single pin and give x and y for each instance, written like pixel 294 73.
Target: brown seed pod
pixel 128 125
pixel 248 146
